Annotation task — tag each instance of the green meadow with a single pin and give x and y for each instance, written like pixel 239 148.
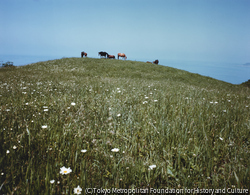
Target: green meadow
pixel 102 123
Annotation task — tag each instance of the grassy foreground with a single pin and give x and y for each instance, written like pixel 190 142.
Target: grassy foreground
pixel 110 121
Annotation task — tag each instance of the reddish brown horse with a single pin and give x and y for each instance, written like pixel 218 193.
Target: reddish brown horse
pixel 83 54
pixel 111 56
pixel 154 62
pixel 122 55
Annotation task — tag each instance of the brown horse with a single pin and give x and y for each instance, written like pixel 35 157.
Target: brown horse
pixel 111 56
pixel 121 55
pixel 83 54
pixel 156 62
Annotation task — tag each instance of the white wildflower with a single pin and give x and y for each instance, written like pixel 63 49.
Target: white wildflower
pixel 52 181
pixel 152 167
pixel 73 104
pixel 78 190
pixel 115 150
pixel 83 151
pixel 64 170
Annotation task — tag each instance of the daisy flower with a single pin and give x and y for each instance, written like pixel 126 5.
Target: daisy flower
pixel 64 170
pixel 78 190
pixel 115 150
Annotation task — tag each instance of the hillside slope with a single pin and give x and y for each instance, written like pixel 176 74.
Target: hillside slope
pixel 120 124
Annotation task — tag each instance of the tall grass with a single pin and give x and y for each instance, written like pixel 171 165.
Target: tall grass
pixel 195 129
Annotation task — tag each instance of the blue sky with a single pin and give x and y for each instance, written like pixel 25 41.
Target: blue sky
pixel 205 30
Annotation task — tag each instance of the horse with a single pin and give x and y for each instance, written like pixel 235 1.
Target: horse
pixel 102 53
pixel 156 62
pixel 83 54
pixel 111 56
pixel 121 55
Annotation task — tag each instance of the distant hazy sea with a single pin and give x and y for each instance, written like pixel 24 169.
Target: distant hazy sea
pixel 21 60
pixel 235 73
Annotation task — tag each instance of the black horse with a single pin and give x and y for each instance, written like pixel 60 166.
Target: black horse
pixel 102 53
pixel 156 62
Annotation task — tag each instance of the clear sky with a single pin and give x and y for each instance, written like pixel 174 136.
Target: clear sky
pixel 207 30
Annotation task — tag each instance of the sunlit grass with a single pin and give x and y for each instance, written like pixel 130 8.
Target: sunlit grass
pixel 110 123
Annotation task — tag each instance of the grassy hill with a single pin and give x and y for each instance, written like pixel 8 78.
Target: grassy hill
pixel 73 112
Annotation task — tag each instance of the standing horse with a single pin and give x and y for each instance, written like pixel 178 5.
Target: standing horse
pixel 83 54
pixel 111 56
pixel 102 53
pixel 121 55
